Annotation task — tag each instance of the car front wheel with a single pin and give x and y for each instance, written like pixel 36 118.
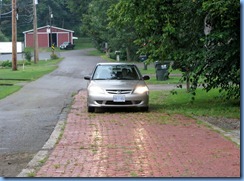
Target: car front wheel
pixel 91 109
pixel 144 109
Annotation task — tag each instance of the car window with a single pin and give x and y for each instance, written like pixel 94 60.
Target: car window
pixel 119 72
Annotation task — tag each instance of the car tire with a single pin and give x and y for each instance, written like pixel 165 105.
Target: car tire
pixel 144 109
pixel 91 109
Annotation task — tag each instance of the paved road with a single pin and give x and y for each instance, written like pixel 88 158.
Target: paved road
pixel 28 117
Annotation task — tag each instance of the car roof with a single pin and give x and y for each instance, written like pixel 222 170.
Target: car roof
pixel 115 63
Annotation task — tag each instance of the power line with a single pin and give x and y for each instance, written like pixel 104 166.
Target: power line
pixel 6 13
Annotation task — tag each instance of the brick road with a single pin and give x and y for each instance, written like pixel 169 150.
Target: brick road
pixel 134 144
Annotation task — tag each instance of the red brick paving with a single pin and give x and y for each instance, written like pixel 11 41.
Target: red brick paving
pixel 139 145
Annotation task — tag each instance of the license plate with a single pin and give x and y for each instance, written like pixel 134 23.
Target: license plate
pixel 119 98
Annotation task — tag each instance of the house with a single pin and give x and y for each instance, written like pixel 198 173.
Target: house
pixel 48 35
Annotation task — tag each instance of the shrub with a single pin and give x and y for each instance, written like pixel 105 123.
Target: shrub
pixel 54 56
pixel 112 55
pixel 28 55
pixel 6 63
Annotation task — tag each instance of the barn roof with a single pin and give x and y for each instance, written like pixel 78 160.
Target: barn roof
pixel 48 26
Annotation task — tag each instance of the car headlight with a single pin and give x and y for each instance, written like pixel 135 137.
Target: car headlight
pixel 96 90
pixel 141 90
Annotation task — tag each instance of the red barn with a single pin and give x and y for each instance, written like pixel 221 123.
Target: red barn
pixel 48 35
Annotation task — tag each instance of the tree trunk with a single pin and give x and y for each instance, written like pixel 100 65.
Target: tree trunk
pixel 128 54
pixel 187 82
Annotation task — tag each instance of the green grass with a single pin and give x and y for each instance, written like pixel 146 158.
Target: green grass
pixel 151 70
pixel 83 43
pixel 29 73
pixel 7 90
pixel 174 76
pixel 95 52
pixel 171 80
pixel 205 104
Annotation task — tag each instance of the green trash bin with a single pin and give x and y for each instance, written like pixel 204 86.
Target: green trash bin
pixel 162 71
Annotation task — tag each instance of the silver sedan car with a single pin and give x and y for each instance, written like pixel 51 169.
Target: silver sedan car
pixel 117 85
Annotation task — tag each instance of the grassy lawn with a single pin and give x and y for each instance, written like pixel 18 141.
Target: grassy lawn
pixel 7 90
pixel 29 73
pixel 83 43
pixel 205 104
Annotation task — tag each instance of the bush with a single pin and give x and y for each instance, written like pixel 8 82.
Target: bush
pixel 54 56
pixel 28 55
pixel 6 63
pixel 28 63
pixel 112 55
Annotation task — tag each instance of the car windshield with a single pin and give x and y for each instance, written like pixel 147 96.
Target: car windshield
pixel 119 72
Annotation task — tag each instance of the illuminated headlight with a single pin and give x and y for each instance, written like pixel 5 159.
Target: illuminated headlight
pixel 141 90
pixel 95 89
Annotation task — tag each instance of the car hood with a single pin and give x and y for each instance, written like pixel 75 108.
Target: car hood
pixel 117 84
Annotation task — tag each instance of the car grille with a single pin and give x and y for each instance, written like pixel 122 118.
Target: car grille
pixel 118 103
pixel 112 91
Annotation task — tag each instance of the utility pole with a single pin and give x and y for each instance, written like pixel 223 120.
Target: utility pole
pixel 14 35
pixel 50 16
pixel 0 10
pixel 36 56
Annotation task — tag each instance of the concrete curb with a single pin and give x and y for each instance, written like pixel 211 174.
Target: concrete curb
pixel 232 135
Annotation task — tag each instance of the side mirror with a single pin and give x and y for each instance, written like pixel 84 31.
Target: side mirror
pixel 87 78
pixel 146 77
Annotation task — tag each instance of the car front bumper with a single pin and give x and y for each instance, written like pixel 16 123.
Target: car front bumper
pixel 107 100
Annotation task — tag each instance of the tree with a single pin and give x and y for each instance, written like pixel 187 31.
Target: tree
pixel 62 16
pixel 124 32
pixel 221 64
pixel 174 30
pixel 3 38
pixel 78 9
